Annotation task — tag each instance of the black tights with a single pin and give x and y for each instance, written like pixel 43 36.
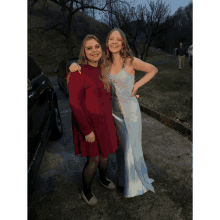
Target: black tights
pixel 90 170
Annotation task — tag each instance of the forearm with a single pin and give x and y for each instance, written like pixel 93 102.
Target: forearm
pixel 76 95
pixel 81 119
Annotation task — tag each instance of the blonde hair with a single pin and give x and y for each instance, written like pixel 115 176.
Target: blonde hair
pixel 125 52
pixel 83 60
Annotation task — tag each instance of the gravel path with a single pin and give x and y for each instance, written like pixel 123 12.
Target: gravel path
pixel 168 156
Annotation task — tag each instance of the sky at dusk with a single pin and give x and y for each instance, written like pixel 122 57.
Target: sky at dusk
pixel 174 4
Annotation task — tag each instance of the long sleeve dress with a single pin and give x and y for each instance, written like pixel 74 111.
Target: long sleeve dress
pixel 92 111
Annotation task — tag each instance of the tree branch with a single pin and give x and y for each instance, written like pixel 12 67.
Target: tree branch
pixel 47 29
pixel 53 27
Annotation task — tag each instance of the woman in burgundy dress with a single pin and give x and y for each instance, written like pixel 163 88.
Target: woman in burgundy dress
pixel 94 129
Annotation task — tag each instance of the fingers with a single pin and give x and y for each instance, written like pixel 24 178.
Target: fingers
pixel 137 96
pixel 75 67
pixel 72 68
pixel 132 94
pixel 79 68
pixel 90 140
pixel 90 137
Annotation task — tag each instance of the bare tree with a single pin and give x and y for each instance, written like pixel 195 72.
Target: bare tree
pixel 70 8
pixel 125 17
pixel 130 21
pixel 134 21
pixel 155 15
pixel 108 17
pixel 116 15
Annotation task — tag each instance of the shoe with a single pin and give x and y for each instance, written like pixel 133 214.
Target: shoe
pixel 92 202
pixel 111 186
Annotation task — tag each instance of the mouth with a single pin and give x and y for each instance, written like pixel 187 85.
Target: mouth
pixel 95 55
pixel 114 46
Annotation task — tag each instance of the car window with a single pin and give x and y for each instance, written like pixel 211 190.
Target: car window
pixel 31 72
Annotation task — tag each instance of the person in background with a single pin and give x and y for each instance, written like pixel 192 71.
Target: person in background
pixel 181 56
pixel 94 130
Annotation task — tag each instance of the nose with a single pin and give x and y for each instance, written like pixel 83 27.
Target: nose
pixel 114 41
pixel 94 50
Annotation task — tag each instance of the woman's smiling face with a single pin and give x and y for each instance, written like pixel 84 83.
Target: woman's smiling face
pixel 115 42
pixel 93 50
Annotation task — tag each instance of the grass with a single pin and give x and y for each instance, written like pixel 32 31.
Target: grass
pixel 170 91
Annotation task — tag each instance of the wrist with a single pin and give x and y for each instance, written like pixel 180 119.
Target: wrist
pixel 137 85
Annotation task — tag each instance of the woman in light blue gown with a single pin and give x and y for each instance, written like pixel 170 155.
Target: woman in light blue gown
pixel 121 66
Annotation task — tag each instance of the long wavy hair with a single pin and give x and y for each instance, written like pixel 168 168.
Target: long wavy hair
pixel 83 60
pixel 125 52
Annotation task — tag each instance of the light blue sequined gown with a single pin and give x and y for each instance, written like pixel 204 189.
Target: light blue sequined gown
pixel 132 170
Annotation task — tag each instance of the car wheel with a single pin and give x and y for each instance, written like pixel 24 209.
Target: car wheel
pixel 57 131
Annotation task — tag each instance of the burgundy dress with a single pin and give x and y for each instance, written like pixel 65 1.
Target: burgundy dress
pixel 91 106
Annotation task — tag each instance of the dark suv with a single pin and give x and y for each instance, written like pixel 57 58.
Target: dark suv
pixel 44 119
pixel 62 69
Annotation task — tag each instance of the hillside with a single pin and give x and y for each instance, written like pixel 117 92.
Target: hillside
pixel 50 48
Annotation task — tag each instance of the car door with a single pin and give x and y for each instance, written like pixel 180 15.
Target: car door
pixel 38 107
